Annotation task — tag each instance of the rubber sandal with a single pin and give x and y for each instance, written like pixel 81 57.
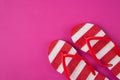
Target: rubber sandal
pixel 93 40
pixel 65 60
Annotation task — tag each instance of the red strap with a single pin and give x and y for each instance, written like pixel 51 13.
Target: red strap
pixel 92 51
pixel 77 57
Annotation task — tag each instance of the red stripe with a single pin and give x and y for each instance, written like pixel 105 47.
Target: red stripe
pixel 52 45
pixel 116 69
pixel 84 74
pixel 99 77
pixel 82 41
pixel 109 56
pixel 57 61
pixel 76 28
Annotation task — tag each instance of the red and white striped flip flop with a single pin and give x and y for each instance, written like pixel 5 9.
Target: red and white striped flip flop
pixel 91 39
pixel 65 59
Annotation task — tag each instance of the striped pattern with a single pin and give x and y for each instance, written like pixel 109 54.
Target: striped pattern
pixel 104 50
pixel 78 69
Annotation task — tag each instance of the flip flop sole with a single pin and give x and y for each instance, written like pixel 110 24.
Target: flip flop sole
pixel 104 50
pixel 77 68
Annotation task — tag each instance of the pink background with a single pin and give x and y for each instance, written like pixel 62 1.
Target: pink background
pixel 28 26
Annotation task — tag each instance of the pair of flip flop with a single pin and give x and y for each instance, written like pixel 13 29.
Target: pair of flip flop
pixel 90 39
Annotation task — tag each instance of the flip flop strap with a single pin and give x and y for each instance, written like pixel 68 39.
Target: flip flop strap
pixel 100 38
pixel 76 57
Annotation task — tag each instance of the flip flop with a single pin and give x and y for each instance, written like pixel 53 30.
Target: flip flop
pixel 65 60
pixel 93 40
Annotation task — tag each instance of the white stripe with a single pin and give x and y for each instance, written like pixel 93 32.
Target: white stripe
pixel 77 70
pixel 56 50
pixel 60 68
pixel 72 51
pixel 91 76
pixel 118 76
pixel 82 31
pixel 93 42
pixel 114 61
pixel 105 50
